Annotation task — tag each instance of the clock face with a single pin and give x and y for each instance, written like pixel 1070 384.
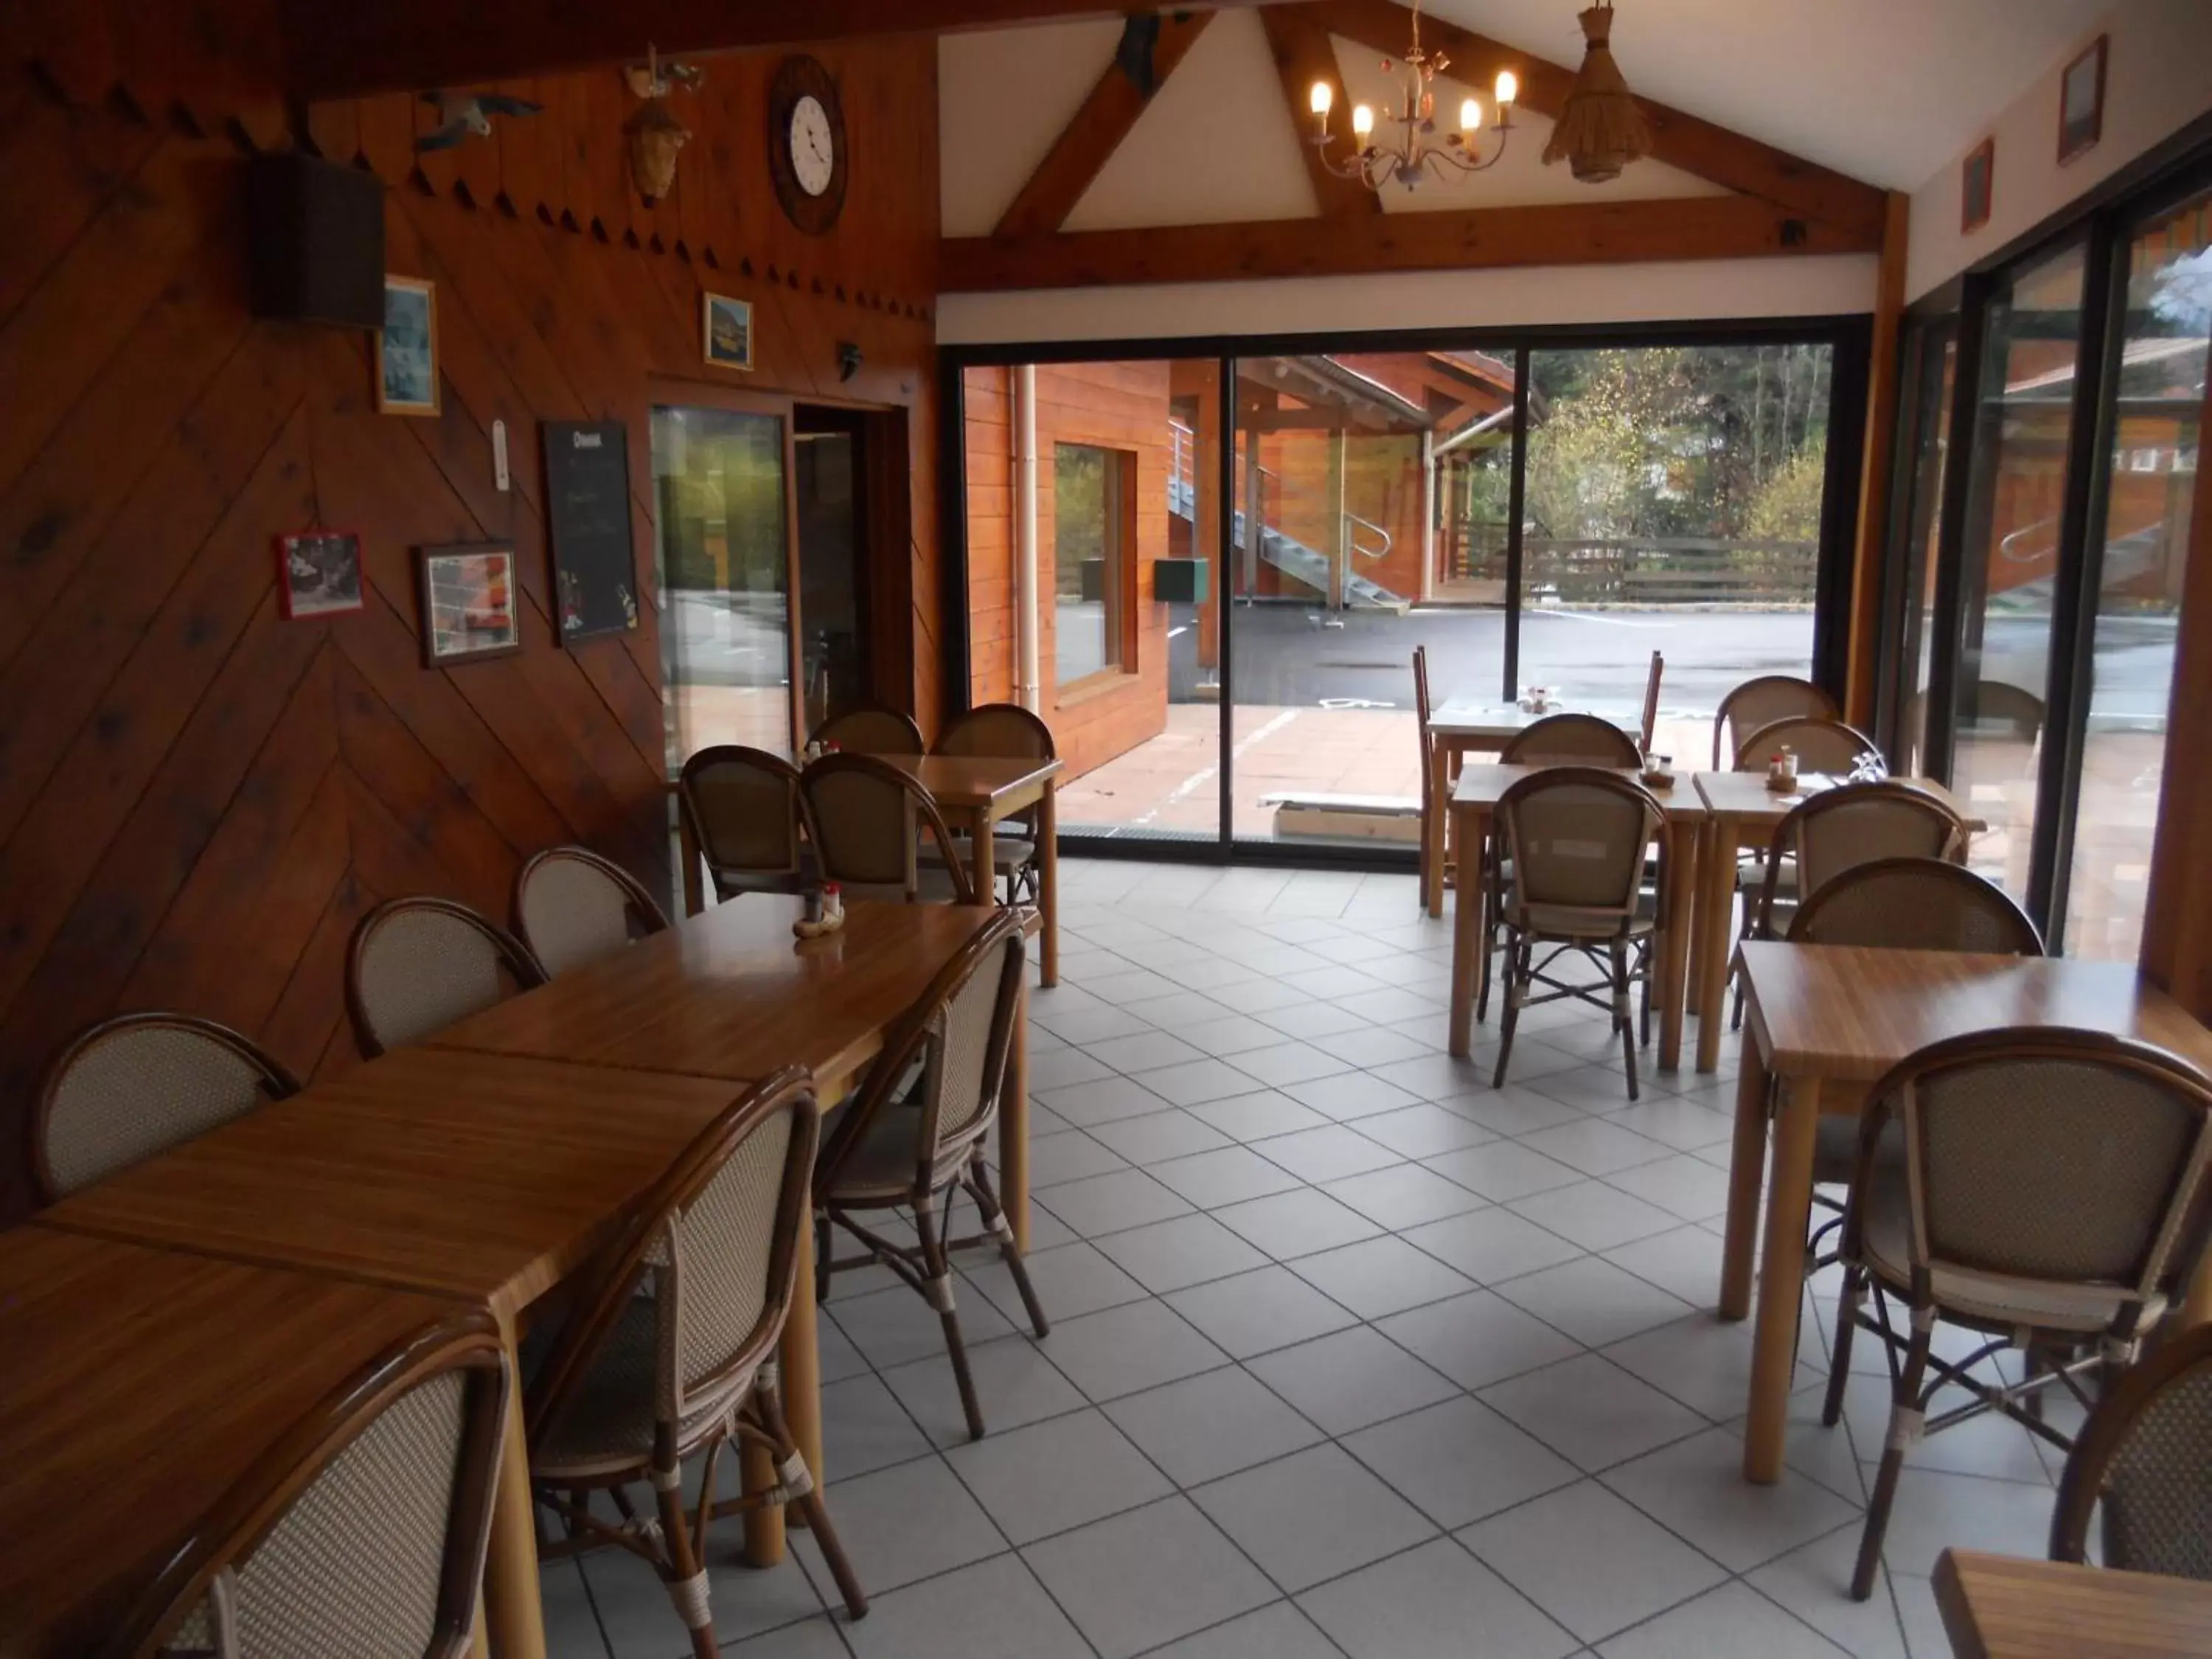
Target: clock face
pixel 813 145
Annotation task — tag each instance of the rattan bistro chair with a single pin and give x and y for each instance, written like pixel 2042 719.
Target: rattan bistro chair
pixel 419 964
pixel 1821 745
pixel 1002 730
pixel 872 729
pixel 1570 740
pixel 1569 880
pixel 747 819
pixel 2051 1201
pixel 1757 702
pixel 1898 904
pixel 364 1528
pixel 918 1129
pixel 669 1351
pixel 1648 726
pixel 139 1085
pixel 863 815
pixel 2145 1457
pixel 572 907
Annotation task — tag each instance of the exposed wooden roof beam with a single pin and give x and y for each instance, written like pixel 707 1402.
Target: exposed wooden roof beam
pixel 1096 131
pixel 345 49
pixel 1711 152
pixel 1551 233
pixel 1303 56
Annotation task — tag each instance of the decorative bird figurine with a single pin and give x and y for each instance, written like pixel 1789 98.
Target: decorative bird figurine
pixel 461 113
pixel 654 79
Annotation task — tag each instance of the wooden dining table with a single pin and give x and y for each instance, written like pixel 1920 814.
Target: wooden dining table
pixel 1742 813
pixel 1458 730
pixel 1825 1022
pixel 492 1161
pixel 2002 1607
pixel 1474 801
pixel 137 1386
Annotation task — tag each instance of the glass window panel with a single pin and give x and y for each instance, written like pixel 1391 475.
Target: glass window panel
pixel 2156 448
pixel 1937 364
pixel 725 562
pixel 1090 561
pixel 2016 491
pixel 1672 504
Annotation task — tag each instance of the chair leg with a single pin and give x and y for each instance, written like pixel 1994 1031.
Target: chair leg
pixel 1650 967
pixel 824 1241
pixel 986 1202
pixel 1839 1364
pixel 932 1227
pixel 687 1584
pixel 1621 1016
pixel 1509 1014
pixel 770 1398
pixel 1904 1426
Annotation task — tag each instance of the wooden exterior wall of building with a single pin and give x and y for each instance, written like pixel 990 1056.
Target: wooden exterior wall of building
pixel 1118 406
pixel 199 798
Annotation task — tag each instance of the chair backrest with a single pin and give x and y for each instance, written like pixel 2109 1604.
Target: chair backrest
pixel 1999 705
pixel 960 1030
pixel 137 1085
pixel 1855 824
pixel 1570 740
pixel 1000 731
pixel 571 907
pixel 2146 1452
pixel 1577 838
pixel 863 814
pixel 1914 904
pixel 872 729
pixel 418 964
pixel 1651 700
pixel 717 1240
pixel 362 1530
pixel 1422 709
pixel 746 816
pixel 1759 702
pixel 1821 745
pixel 2044 1155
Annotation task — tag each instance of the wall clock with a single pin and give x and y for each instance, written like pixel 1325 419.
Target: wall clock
pixel 806 145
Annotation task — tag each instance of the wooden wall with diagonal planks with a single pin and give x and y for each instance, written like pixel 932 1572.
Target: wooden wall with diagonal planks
pixel 199 798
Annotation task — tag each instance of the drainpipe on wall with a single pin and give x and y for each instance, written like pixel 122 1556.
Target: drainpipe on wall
pixel 1428 589
pixel 1025 537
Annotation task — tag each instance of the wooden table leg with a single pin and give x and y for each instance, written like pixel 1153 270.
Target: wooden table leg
pixel 1432 831
pixel 1716 911
pixel 1048 886
pixel 985 874
pixel 1672 990
pixel 1781 1279
pixel 1014 1130
pixel 512 1603
pixel 694 893
pixel 1746 1171
pixel 1468 931
pixel 801 1358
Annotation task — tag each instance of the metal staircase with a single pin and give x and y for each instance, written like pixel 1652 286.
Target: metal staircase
pixel 1287 554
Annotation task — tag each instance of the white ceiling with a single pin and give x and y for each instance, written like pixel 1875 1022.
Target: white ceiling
pixel 1887 91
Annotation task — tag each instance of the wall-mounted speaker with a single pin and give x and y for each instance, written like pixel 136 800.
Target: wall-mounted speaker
pixel 317 251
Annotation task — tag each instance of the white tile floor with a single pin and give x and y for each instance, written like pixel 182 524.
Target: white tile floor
pixel 1350 1354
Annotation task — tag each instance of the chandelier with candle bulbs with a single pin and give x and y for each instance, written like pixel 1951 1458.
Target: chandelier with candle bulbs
pixel 1415 152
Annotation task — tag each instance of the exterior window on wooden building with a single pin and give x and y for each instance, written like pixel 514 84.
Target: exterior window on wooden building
pixel 1093 561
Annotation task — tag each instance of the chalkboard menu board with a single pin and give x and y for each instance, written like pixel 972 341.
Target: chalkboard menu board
pixel 587 512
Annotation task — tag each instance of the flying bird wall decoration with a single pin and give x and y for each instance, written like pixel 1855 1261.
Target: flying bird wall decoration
pixel 463 114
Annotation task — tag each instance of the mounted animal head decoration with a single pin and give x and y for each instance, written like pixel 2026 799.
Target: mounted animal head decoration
pixel 655 135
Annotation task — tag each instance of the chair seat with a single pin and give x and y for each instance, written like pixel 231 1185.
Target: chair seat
pixel 1009 853
pixel 932 885
pixel 1564 921
pixel 608 1425
pixel 1989 1298
pixel 1751 876
pixel 881 1169
pixel 1836 1149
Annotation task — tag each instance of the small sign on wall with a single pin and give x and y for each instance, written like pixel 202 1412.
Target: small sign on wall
pixel 587 516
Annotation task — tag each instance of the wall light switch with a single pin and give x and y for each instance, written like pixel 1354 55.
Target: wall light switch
pixel 498 453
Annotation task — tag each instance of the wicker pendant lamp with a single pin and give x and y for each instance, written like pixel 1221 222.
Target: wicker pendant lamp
pixel 1601 128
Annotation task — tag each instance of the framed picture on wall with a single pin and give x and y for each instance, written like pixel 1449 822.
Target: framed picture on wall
pixel 727 325
pixel 1976 182
pixel 2081 102
pixel 469 603
pixel 318 574
pixel 407 349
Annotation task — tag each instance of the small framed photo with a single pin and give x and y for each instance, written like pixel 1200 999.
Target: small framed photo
pixel 1977 179
pixel 318 573
pixel 728 326
pixel 469 603
pixel 2081 102
pixel 407 349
